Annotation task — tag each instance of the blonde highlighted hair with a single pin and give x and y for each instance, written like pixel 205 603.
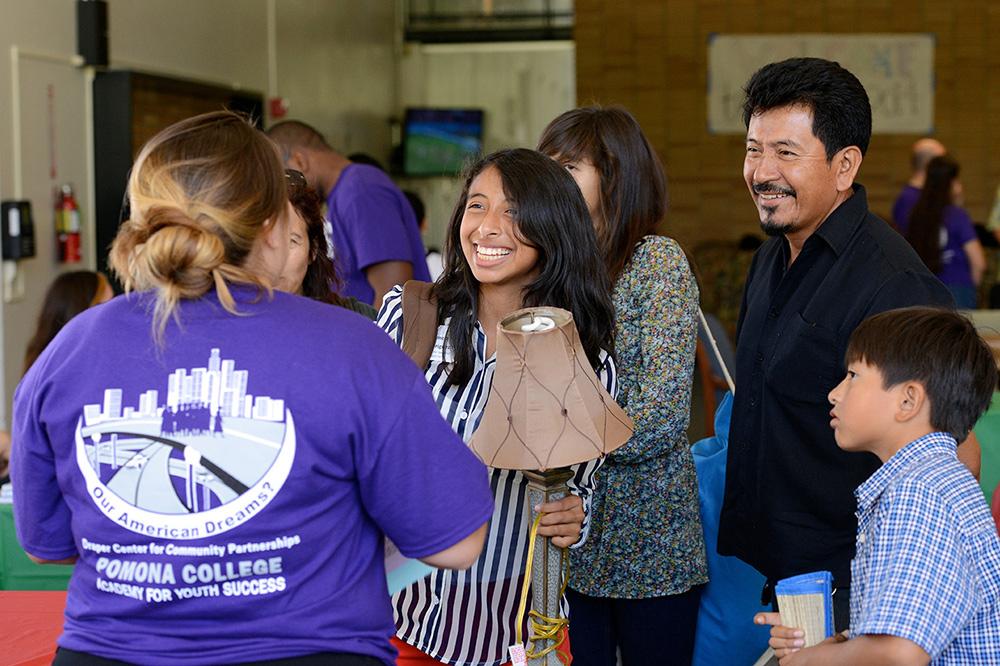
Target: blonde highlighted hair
pixel 200 193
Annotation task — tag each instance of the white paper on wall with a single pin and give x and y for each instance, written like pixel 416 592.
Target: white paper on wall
pixel 896 69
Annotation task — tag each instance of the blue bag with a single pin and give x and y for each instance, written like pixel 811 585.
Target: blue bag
pixel 726 633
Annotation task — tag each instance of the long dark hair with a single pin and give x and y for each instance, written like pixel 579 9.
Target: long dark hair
pixel 633 185
pixel 68 295
pixel 551 217
pixel 927 216
pixel 320 282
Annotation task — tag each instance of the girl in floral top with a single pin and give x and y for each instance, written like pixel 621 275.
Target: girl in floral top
pixel 635 585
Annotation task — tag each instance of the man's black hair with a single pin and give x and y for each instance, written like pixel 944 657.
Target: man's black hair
pixel 842 114
pixel 938 348
pixel 366 158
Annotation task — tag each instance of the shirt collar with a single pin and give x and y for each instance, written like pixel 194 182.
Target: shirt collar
pixel 936 443
pixel 845 219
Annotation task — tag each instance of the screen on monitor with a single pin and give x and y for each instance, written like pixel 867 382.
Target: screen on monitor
pixel 439 142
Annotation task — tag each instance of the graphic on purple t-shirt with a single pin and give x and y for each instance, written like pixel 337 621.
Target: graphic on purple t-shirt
pixel 202 462
pixel 371 222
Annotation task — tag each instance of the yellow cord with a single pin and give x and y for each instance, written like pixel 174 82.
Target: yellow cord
pixel 542 627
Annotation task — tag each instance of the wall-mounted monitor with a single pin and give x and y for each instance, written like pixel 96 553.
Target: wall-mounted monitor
pixel 439 142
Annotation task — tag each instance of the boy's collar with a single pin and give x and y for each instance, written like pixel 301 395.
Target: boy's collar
pixel 933 443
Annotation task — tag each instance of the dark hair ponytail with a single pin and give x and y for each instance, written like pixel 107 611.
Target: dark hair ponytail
pixel 927 216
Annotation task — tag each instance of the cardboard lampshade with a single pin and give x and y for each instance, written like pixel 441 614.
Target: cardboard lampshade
pixel 546 408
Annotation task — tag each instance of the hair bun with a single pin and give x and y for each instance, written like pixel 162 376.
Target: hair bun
pixel 158 218
pixel 179 253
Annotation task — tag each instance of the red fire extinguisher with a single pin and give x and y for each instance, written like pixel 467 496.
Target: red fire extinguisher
pixel 68 225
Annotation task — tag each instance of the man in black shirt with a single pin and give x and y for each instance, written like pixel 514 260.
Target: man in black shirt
pixel 830 263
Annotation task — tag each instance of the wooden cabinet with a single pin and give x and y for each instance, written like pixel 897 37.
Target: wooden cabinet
pixel 129 108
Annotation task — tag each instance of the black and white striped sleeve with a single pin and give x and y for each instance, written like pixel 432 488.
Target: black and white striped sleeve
pixel 390 317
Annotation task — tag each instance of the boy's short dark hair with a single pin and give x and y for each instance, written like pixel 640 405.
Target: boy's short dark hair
pixel 842 114
pixel 938 348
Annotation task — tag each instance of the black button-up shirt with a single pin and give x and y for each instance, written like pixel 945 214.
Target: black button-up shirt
pixel 789 505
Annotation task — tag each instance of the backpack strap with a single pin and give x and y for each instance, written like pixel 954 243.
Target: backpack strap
pixel 419 321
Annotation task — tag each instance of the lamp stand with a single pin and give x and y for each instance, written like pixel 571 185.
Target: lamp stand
pixel 546 572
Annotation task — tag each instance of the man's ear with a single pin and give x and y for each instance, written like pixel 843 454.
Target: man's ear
pixel 912 399
pixel 298 159
pixel 846 162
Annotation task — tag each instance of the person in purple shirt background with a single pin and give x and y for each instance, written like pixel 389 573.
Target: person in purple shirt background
pixel 373 232
pixel 224 462
pixel 942 232
pixel 921 154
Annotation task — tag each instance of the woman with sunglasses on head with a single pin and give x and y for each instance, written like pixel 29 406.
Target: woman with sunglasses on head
pixel 309 270
pixel 520 236
pixel 224 494
pixel 635 585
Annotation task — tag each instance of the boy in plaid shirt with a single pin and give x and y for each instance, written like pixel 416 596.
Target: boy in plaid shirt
pixel 926 574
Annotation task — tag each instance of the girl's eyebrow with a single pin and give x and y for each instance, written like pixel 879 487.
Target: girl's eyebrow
pixel 477 194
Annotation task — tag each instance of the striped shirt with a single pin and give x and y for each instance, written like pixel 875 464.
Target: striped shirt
pixel 927 567
pixel 467 618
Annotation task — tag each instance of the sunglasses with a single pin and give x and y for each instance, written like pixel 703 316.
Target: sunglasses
pixel 295 180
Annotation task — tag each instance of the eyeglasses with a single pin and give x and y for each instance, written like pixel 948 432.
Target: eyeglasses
pixel 296 181
pixel 125 212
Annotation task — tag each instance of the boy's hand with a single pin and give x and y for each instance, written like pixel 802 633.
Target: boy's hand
pixel 788 642
pixel 784 640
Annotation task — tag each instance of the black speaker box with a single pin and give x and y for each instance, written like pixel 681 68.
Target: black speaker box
pixel 92 31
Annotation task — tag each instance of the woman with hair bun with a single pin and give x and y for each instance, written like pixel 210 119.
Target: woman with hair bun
pixel 226 497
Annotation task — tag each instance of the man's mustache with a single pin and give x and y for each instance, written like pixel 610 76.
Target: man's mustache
pixel 771 188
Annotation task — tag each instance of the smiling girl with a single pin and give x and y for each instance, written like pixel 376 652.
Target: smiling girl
pixel 520 236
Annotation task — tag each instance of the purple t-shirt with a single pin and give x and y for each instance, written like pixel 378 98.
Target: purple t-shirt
pixel 371 222
pixel 905 202
pixel 956 231
pixel 228 494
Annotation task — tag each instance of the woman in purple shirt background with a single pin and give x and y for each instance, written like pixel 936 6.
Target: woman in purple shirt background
pixel 942 232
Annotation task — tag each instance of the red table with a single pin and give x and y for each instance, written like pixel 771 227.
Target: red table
pixel 37 620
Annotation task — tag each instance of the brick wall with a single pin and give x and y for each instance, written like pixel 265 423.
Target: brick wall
pixel 651 56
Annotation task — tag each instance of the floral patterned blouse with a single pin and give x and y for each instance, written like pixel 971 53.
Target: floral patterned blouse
pixel 645 534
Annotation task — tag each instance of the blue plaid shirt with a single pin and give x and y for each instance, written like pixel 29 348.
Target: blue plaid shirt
pixel 928 557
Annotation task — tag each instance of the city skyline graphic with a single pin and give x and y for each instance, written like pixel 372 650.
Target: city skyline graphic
pixel 201 443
